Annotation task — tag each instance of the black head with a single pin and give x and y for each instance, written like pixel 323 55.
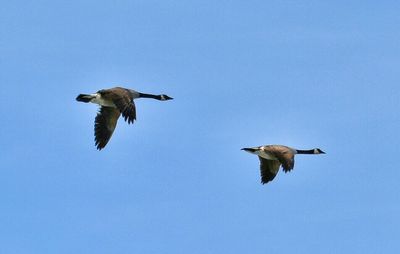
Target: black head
pixel 318 151
pixel 165 97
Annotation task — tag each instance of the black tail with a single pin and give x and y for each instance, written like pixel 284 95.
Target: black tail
pixel 84 98
pixel 251 150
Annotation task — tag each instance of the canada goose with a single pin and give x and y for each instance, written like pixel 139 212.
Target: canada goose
pixel 113 102
pixel 272 156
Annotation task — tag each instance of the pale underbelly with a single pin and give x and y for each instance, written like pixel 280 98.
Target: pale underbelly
pixel 102 102
pixel 267 156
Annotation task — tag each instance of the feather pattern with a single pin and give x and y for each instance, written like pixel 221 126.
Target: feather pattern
pixel 114 102
pixel 123 100
pixel 104 125
pixel 284 154
pixel 268 169
pixel 273 156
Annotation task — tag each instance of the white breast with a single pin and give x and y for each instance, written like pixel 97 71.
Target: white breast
pixel 99 100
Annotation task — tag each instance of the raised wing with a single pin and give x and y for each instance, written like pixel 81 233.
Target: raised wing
pixel 123 100
pixel 285 156
pixel 104 125
pixel 269 169
pixel 127 108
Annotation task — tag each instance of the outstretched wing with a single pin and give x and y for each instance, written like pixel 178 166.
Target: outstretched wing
pixel 269 169
pixel 123 100
pixel 104 125
pixel 127 108
pixel 285 156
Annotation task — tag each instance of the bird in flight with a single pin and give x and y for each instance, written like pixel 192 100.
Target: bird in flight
pixel 114 102
pixel 273 156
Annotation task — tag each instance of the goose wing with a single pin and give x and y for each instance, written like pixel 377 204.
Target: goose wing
pixel 285 156
pixel 104 125
pixel 269 169
pixel 123 100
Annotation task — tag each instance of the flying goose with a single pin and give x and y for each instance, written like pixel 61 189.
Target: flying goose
pixel 113 102
pixel 273 156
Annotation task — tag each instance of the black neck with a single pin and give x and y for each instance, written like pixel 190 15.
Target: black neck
pixel 145 95
pixel 305 151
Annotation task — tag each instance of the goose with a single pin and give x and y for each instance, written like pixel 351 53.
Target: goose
pixel 273 156
pixel 114 102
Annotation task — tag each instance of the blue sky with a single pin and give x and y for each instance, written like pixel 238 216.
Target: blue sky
pixel 243 73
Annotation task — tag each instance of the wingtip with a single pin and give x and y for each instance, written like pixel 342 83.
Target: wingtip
pixel 99 146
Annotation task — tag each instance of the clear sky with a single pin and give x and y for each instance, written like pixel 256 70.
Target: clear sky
pixel 243 73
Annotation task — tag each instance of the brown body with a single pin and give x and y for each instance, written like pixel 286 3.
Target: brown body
pixel 273 156
pixel 114 102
